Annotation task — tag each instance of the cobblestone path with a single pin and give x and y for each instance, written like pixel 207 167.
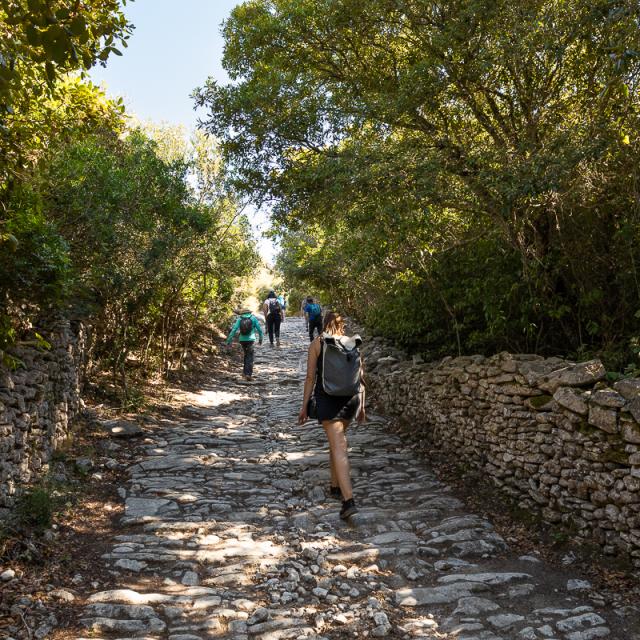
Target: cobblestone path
pixel 229 532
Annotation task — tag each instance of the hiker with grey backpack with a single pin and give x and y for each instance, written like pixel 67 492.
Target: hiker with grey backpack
pixel 274 315
pixel 334 395
pixel 248 327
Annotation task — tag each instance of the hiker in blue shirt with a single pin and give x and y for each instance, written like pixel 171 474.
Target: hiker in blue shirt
pixel 248 326
pixel 282 299
pixel 313 315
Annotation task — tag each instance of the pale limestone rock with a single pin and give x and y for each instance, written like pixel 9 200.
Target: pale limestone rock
pixel 629 389
pixel 605 419
pixel 608 398
pixel 571 399
pixel 438 595
pixel 473 606
pixel 577 375
pixel 575 623
pixel 504 620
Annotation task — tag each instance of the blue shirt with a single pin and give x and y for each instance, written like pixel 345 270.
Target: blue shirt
pixel 314 310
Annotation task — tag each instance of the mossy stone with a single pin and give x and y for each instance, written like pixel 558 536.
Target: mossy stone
pixel 539 401
pixel 587 429
pixel 618 456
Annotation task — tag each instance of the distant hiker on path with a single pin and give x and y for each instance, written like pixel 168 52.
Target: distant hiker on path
pixel 248 326
pixel 334 393
pixel 303 304
pixel 274 314
pixel 282 299
pixel 313 315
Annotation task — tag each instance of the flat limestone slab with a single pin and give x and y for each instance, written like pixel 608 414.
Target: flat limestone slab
pixel 485 578
pixel 393 537
pixel 139 509
pixel 438 595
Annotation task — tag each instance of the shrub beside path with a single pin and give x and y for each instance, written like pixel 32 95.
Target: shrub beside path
pixel 229 532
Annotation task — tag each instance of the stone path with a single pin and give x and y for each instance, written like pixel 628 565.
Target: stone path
pixel 229 533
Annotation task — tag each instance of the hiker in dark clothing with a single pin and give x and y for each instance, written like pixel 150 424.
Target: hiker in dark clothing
pixel 248 326
pixel 333 411
pixel 274 314
pixel 313 316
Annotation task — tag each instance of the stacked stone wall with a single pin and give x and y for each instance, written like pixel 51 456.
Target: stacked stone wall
pixel 554 435
pixel 38 400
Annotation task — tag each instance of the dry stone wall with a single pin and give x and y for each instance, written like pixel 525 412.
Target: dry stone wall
pixel 553 435
pixel 38 401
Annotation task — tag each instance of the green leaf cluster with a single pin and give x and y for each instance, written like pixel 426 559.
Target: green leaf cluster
pixel 461 175
pixel 43 39
pixel 133 229
pixel 130 228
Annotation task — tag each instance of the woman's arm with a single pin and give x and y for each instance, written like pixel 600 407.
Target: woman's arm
pixel 309 381
pixel 362 414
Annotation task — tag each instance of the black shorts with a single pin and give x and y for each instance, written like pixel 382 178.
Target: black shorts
pixel 337 407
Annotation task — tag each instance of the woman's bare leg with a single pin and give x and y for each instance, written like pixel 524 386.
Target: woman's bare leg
pixel 334 475
pixel 335 430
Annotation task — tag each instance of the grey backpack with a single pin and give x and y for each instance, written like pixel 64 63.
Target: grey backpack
pixel 246 326
pixel 341 363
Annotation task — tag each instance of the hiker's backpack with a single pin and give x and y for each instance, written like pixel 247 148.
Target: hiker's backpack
pixel 275 308
pixel 341 362
pixel 315 311
pixel 246 326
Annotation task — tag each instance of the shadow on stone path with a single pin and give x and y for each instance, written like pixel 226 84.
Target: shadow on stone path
pixel 228 532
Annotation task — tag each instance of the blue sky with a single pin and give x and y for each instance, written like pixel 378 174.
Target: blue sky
pixel 174 48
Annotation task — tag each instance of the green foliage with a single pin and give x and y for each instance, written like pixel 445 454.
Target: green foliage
pixel 34 508
pixel 560 538
pixel 131 229
pixel 7 340
pixel 43 42
pixel 460 176
pixel 122 234
pixel 39 265
pixel 43 39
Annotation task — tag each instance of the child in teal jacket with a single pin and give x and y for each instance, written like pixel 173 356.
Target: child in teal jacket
pixel 247 339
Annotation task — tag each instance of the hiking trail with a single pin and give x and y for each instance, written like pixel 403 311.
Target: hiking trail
pixel 229 532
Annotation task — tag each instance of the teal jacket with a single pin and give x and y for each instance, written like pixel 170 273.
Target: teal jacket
pixel 251 337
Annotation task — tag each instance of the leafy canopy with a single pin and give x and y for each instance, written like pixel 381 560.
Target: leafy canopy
pixel 43 39
pixel 473 160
